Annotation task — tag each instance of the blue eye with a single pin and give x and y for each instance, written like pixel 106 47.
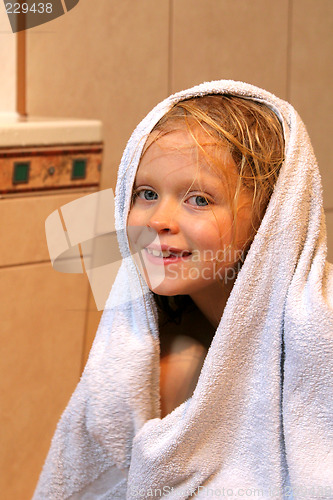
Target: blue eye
pixel 147 194
pixel 199 201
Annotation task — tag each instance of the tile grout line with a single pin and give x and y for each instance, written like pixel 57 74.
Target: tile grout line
pixel 170 47
pixel 289 49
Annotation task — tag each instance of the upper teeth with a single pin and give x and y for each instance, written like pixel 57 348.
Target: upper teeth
pixel 157 253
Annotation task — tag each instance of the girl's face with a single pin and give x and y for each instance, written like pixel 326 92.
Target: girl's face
pixel 184 206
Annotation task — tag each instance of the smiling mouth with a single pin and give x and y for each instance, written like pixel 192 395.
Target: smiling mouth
pixel 167 254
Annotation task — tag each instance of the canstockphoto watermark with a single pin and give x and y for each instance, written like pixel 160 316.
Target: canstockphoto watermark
pixel 28 13
pixel 299 491
pixel 227 254
pixel 199 491
pixel 214 272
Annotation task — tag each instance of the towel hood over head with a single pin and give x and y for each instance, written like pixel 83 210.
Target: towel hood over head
pixel 260 417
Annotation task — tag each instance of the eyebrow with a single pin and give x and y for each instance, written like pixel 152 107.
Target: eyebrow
pixel 188 183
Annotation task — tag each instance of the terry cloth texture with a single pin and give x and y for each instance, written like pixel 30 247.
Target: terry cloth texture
pixel 260 417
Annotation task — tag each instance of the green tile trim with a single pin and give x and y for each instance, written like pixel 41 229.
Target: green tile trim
pixel 21 172
pixel 79 168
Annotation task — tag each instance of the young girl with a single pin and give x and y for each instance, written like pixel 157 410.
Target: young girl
pixel 204 179
pixel 210 374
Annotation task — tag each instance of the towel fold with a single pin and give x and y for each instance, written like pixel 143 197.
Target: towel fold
pixel 259 422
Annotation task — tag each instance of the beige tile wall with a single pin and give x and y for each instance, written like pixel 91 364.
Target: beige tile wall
pixel 42 330
pixel 8 46
pixel 25 216
pixel 43 324
pixel 222 39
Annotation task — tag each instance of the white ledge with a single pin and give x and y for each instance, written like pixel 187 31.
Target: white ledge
pixel 40 131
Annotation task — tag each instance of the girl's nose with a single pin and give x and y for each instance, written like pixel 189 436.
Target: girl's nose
pixel 164 219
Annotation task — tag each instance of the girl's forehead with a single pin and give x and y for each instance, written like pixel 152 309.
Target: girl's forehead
pixel 186 145
pixel 179 137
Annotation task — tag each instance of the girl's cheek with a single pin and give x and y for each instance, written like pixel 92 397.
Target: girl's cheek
pixel 217 227
pixel 133 217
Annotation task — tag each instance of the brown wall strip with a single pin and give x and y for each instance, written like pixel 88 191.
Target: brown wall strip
pixel 21 76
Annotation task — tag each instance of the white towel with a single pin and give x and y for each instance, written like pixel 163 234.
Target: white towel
pixel 259 422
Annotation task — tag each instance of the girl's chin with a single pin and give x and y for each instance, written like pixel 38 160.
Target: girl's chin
pixel 171 289
pixel 167 291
